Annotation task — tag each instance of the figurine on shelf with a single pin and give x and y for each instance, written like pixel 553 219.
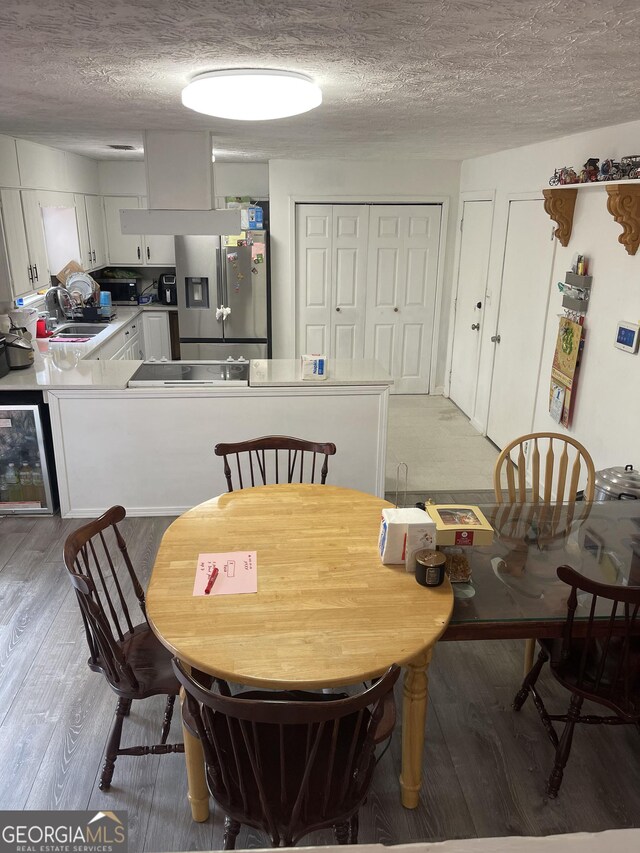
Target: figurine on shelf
pixel 630 166
pixel 565 175
pixel 610 171
pixel 590 171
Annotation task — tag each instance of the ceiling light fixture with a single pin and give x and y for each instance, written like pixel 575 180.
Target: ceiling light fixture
pixel 251 94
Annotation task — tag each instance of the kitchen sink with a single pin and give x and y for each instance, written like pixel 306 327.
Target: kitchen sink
pixel 76 330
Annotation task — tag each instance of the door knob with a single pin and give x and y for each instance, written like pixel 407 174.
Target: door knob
pixel 475 326
pixel 396 309
pixel 495 339
pixel 338 310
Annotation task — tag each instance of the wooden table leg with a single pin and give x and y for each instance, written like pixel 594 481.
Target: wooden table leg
pixel 198 792
pixel 414 714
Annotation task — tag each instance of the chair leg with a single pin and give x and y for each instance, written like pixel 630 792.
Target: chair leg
pixel 353 829
pixel 231 830
pixel 341 832
pixel 168 714
pixel 564 746
pixel 530 680
pixel 113 744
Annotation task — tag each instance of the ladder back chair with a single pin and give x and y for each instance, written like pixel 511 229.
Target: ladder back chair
pixel 557 463
pixel 275 459
pixel 290 763
pixel 601 669
pixel 133 661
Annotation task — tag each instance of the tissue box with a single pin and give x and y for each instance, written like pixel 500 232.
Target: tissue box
pixel 313 367
pixel 402 533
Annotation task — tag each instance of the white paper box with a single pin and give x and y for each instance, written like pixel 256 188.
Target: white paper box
pixel 402 533
pixel 313 367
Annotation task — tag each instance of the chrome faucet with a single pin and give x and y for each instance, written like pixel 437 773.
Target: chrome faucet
pixel 58 303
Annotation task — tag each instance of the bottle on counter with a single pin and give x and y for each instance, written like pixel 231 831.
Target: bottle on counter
pixel 12 482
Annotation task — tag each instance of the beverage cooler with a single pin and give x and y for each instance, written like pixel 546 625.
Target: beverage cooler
pixel 27 473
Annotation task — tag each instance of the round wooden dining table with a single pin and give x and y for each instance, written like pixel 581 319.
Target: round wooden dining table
pixel 326 613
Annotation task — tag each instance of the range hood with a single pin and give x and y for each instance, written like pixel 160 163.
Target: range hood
pixel 180 222
pixel 179 188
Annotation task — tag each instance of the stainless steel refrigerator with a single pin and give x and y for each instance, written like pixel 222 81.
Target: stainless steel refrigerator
pixel 223 297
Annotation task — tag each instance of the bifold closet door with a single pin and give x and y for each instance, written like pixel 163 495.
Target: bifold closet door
pixel 401 291
pixel 331 275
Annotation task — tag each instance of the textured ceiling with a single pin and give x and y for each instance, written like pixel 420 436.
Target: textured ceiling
pixel 401 78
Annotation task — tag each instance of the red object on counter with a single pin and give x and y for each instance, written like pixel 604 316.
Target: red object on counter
pixel 41 329
pixel 212 580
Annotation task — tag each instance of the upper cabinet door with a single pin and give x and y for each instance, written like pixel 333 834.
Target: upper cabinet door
pixel 83 232
pixel 96 226
pixel 123 248
pixel 15 236
pixel 159 249
pixel 35 239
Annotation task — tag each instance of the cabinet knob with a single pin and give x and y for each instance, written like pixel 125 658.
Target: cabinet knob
pixel 30 273
pixel 93 252
pixel 475 327
pixel 495 339
pixel 338 310
pixel 478 304
pixel 139 255
pixel 35 267
pixel 396 309
pixel 148 254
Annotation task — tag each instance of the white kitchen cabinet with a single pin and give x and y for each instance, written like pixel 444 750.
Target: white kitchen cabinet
pixel 138 249
pixel 159 249
pixel 96 226
pixel 127 343
pixel 90 216
pixel 25 242
pixel 157 340
pixel 122 248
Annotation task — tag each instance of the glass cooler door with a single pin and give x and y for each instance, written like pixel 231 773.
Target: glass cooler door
pixel 25 485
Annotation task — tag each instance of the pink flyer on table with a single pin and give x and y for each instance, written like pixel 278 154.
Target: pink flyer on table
pixel 237 572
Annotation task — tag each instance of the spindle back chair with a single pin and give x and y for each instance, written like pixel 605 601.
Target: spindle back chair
pixel 290 763
pixel 130 657
pixel 275 459
pixel 601 669
pixel 557 463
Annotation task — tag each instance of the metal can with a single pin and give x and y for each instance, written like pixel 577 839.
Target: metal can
pixel 429 567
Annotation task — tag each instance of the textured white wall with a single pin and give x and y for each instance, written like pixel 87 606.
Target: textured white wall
pixel 607 408
pixel 384 181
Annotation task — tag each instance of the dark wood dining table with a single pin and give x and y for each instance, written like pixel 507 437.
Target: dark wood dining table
pixel 514 592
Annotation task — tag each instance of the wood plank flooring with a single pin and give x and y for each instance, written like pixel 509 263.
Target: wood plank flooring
pixel 485 766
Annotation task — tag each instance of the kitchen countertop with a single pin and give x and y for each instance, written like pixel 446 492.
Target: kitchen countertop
pixel 68 365
pixel 285 372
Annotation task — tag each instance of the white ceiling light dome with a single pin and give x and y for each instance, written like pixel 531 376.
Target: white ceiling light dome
pixel 251 94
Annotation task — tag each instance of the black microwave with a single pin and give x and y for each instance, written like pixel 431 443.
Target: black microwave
pixel 121 290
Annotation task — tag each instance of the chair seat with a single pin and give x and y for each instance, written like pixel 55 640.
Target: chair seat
pixel 150 662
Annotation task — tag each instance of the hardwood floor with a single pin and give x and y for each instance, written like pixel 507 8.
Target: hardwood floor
pixel 485 766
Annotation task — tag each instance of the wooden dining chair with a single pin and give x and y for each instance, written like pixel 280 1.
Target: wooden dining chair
pixel 604 670
pixel 275 459
pixel 290 763
pixel 556 464
pixel 130 657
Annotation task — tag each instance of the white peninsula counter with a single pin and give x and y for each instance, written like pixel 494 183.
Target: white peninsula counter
pixel 151 449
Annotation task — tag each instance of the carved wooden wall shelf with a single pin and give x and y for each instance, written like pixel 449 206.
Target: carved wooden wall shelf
pixel 623 203
pixel 560 204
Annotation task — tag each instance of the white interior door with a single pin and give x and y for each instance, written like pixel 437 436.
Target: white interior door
pixel 475 244
pixel 349 257
pixel 402 274
pixel 524 297
pixel 314 229
pixel 331 274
